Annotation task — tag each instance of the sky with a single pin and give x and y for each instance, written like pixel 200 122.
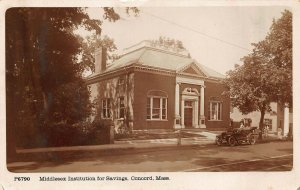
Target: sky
pixel 217 37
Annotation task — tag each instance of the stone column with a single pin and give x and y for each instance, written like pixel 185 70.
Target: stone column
pixel 286 120
pixel 182 113
pixel 177 99
pixel 177 114
pixel 202 117
pixel 196 114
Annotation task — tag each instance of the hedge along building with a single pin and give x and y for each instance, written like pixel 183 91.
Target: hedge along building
pixel 156 87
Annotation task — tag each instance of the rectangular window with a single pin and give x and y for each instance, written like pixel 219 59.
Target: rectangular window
pixel 106 108
pixel 121 80
pixel 268 122
pixel 156 108
pixel 215 111
pixel 164 108
pixel 121 107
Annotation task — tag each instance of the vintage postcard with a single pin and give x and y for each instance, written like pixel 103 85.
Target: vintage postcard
pixel 149 95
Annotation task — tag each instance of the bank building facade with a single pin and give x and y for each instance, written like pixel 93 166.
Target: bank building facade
pixel 156 87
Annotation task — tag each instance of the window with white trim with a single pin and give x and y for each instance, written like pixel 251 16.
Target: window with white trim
pixel 156 108
pixel 121 107
pixel 268 122
pixel 121 80
pixel 215 111
pixel 106 108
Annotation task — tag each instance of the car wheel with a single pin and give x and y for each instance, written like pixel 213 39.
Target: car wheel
pixel 218 141
pixel 231 141
pixel 252 140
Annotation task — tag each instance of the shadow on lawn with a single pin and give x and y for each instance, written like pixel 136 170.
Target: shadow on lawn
pixel 151 136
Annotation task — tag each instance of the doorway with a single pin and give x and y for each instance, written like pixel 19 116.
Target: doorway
pixel 188 114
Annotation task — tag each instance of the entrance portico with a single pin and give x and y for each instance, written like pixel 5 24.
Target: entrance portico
pixel 188 100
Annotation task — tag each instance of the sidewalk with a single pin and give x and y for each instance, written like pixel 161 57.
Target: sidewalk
pixel 204 139
pixel 133 144
pixel 124 147
pixel 119 147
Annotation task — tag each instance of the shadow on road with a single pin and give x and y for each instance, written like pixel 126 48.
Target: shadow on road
pixel 200 155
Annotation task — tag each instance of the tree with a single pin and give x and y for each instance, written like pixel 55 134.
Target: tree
pixel 266 75
pixel 42 64
pixel 89 46
pixel 71 103
pixel 248 88
pixel 168 42
pixel 277 51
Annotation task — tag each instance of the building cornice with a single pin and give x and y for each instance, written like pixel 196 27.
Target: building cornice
pixel 108 75
pixel 154 70
pixel 148 69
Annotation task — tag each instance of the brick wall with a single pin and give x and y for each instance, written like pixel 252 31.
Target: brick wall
pixel 213 91
pixel 140 83
pixel 143 83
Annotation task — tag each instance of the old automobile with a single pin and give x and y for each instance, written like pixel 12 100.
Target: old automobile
pixel 237 136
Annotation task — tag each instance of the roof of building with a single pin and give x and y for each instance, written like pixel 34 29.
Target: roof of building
pixel 145 54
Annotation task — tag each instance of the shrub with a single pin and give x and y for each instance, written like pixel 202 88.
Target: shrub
pixel 103 131
pixel 82 133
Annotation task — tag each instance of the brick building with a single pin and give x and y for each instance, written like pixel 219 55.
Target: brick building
pixel 155 87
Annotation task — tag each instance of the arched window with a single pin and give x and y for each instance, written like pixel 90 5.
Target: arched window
pixel 157 102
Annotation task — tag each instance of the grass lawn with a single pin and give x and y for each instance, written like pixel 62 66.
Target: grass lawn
pixel 149 135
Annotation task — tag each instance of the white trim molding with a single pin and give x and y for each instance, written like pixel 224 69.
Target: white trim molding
pixel 177 114
pixel 192 95
pixel 189 81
